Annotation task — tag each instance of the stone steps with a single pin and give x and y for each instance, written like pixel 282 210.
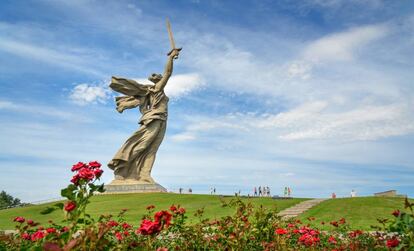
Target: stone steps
pixel 299 208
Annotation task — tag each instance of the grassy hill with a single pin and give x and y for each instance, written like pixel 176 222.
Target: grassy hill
pixel 136 204
pixel 360 212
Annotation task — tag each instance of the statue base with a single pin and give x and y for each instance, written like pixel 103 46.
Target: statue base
pixel 133 186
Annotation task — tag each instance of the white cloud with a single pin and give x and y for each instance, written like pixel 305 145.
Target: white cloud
pixel 42 111
pixel 74 61
pixel 342 46
pixel 6 104
pixel 183 137
pixel 83 94
pixel 299 69
pixel 181 84
pixel 315 121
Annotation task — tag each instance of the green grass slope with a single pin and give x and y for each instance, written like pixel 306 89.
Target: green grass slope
pixel 360 212
pixel 136 204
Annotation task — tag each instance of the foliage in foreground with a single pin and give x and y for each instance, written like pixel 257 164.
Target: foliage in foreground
pixel 248 229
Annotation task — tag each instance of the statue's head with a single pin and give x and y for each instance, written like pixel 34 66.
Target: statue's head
pixel 155 77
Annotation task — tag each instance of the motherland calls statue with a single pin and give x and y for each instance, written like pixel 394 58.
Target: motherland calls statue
pixel 134 160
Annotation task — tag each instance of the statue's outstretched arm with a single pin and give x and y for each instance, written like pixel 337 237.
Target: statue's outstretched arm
pixel 167 71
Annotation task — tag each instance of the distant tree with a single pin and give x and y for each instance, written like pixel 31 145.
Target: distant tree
pixel 6 200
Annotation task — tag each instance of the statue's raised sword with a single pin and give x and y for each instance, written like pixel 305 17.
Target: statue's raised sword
pixel 172 42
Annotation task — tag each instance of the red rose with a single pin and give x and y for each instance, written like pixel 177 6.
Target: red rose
pixel 396 213
pixel 393 242
pixel 163 217
pixel 308 240
pixel 19 219
pixel 30 222
pixel 86 173
pixel 126 226
pixel 70 206
pixel 75 179
pixel 332 240
pixel 126 233
pixel 51 230
pixel 314 232
pixel 64 229
pixel 173 208
pixel 355 233
pixel 181 210
pixel 94 164
pixel 342 221
pixel 78 166
pixel 281 231
pixel 112 223
pixel 334 223
pixel 149 227
pixel 97 173
pixel 118 235
pixel 37 235
pixel 26 236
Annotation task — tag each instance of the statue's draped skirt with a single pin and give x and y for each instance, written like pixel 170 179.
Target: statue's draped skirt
pixel 137 154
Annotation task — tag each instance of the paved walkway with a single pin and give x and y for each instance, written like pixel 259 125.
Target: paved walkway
pixel 299 208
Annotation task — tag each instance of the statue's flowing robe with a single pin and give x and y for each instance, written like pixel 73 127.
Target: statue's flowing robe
pixel 135 158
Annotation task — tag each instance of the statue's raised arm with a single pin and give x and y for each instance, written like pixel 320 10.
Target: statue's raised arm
pixel 159 86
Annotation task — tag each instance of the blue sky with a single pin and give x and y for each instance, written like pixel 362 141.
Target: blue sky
pixel 315 95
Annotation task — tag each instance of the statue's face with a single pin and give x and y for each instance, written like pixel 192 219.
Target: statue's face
pixel 155 78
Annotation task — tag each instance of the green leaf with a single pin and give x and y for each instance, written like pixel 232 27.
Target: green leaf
pixel 101 188
pixel 69 192
pixel 92 186
pixel 66 193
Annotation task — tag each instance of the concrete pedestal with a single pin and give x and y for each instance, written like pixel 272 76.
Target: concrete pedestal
pixel 133 187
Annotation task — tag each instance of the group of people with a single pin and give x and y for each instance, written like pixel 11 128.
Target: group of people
pixel 353 194
pixel 181 190
pixel 287 192
pixel 261 191
pixel 212 190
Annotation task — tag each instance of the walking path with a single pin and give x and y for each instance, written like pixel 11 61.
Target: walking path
pixel 299 208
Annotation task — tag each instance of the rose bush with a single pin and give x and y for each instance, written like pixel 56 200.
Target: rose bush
pixel 248 229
